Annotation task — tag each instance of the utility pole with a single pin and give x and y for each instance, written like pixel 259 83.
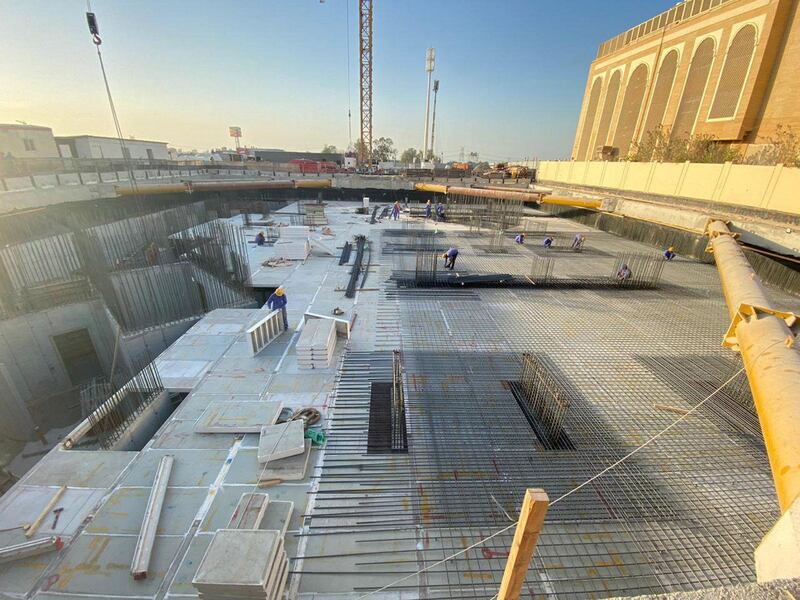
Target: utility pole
pixel 433 121
pixel 430 59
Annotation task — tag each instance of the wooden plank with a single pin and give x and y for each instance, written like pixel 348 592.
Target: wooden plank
pixel 147 534
pixel 45 512
pixel 531 518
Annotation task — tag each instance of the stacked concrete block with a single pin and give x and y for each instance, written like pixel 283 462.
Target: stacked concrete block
pixel 243 563
pixel 293 243
pixel 316 345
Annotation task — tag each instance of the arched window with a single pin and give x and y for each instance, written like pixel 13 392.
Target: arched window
pixel 608 109
pixel 661 92
pixel 694 88
pixel 631 107
pixel 588 121
pixel 734 73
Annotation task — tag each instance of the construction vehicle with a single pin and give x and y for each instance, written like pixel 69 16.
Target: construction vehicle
pixel 504 171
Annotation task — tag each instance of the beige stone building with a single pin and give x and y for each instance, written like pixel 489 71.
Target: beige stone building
pixel 727 68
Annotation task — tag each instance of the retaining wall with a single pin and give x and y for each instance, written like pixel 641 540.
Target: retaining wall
pixel 751 186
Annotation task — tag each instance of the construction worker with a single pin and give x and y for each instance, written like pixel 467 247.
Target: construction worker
pixel 260 239
pixel 440 211
pixel 669 253
pixel 577 242
pixel 624 273
pixel 396 210
pixel 152 253
pixel 548 242
pixel 450 258
pixel 520 239
pixel 428 209
pixel 278 300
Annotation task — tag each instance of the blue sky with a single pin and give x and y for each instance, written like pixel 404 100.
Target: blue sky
pixel 512 73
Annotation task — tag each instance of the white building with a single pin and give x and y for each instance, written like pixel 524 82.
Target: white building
pixel 27 141
pixel 95 146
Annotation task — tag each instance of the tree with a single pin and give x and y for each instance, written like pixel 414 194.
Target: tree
pixel 783 147
pixel 383 150
pixel 659 145
pixel 410 156
pixel 329 149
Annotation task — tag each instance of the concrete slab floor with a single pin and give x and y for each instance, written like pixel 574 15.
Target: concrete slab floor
pixel 338 547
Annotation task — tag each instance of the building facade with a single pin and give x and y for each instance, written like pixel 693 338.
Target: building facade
pixel 725 68
pixel 27 141
pixel 95 146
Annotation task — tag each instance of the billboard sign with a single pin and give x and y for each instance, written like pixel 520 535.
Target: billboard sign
pixel 235 132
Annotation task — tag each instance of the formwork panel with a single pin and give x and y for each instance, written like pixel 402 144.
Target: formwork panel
pixel 96 564
pixel 124 510
pixel 191 467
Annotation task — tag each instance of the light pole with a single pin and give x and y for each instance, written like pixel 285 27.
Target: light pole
pixel 433 120
pixel 430 59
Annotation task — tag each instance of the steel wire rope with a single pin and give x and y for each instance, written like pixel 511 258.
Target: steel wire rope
pixel 97 41
pixel 582 485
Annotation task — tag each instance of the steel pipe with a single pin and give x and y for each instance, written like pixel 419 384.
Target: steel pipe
pixel 496 194
pixel 312 183
pixel 218 186
pixel 765 338
pixel 158 188
pixel 222 185
pixel 576 202
pixel 740 284
pixel 436 188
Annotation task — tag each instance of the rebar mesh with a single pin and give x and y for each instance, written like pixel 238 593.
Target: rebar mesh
pixel 630 361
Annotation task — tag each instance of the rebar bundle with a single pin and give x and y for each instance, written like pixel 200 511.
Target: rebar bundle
pixel 545 400
pixel 116 412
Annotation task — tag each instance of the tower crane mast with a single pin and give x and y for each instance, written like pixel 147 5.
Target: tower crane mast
pixel 365 69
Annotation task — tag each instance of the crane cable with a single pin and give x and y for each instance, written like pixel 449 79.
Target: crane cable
pixel 97 41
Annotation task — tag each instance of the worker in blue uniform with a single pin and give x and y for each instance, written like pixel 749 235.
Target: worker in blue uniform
pixel 450 258
pixel 428 209
pixel 278 301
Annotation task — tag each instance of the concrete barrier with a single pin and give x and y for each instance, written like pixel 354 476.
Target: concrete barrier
pixel 68 179
pixel 19 183
pixel 89 178
pixel 108 177
pixel 752 186
pixel 45 181
pixel 140 174
pixel 123 176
